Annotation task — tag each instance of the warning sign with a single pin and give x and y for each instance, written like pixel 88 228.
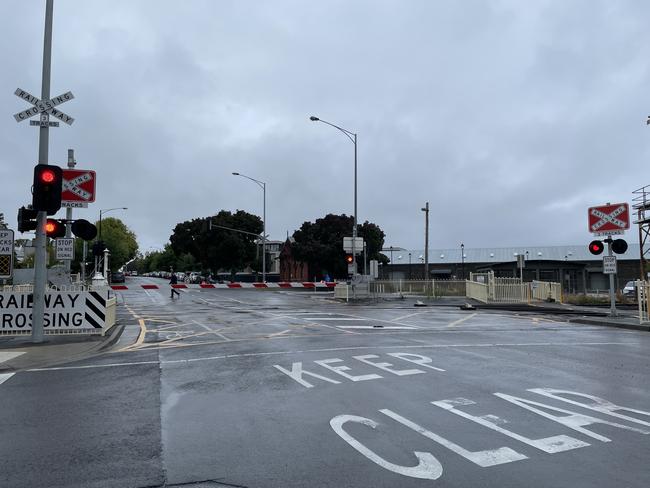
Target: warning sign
pixel 6 253
pixel 63 311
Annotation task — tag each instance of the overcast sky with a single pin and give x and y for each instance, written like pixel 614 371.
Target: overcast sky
pixel 510 117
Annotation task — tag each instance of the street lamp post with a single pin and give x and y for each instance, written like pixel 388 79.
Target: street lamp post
pixel 262 185
pixel 103 211
pixel 353 137
pixel 462 259
pixel 425 209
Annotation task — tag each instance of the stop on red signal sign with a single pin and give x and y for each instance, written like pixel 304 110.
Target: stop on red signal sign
pixel 609 219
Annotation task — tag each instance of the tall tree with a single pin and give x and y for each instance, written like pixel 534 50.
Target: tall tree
pixel 225 241
pixel 320 244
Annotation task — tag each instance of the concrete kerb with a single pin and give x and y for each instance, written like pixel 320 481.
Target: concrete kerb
pixel 56 349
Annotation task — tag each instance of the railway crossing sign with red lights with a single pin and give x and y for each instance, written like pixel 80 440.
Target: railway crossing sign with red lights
pixel 609 219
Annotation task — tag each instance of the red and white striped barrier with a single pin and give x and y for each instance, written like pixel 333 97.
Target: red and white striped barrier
pixel 153 286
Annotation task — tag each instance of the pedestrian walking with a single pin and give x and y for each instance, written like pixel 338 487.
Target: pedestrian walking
pixel 173 281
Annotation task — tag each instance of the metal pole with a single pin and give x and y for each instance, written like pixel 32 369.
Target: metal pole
pixel 426 241
pixel 264 237
pixel 612 291
pixel 68 211
pixel 354 228
pixel 40 268
pixel 83 263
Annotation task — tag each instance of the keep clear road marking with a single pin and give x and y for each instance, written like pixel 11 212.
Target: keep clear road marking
pixel 378 327
pixel 6 356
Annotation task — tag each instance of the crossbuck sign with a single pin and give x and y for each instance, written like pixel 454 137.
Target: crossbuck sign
pixel 43 107
pixel 609 219
pixel 78 188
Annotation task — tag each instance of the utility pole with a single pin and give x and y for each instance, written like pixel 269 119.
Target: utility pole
pixel 426 241
pixel 68 211
pixel 40 269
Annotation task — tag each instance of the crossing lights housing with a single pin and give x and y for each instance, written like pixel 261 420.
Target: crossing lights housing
pixel 26 219
pixel 48 183
pixel 54 228
pixel 619 246
pixel 596 247
pixel 349 259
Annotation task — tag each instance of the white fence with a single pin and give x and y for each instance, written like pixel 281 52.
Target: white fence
pixel 478 291
pixel 427 288
pixel 643 298
pixel 544 290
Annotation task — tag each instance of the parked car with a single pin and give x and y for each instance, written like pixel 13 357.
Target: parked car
pixel 117 277
pixel 629 290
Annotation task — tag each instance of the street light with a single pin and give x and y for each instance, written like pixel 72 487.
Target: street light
pixel 262 185
pixel 353 137
pixel 103 211
pixel 462 259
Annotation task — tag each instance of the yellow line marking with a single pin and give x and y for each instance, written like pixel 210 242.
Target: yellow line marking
pixel 459 321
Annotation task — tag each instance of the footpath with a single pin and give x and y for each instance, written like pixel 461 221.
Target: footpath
pixel 18 353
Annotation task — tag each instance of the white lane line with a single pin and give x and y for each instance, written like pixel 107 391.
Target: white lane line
pixel 6 356
pixel 5 376
pixel 381 327
pixel 279 333
pixel 333 319
pixel 460 321
pixel 407 316
pixel 334 349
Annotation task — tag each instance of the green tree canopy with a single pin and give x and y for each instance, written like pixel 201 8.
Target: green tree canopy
pixel 215 248
pixel 320 244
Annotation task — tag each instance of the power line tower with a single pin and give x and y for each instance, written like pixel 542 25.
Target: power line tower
pixel 641 204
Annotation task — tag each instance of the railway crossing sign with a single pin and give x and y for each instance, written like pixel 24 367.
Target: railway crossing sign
pixel 78 188
pixel 609 219
pixel 43 107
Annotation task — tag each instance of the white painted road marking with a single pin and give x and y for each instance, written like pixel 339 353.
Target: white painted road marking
pixel 381 327
pixel 6 356
pixel 353 348
pixel 430 468
pixel 460 321
pixel 5 376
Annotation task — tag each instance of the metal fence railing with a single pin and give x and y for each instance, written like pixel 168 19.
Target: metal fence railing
pixel 544 290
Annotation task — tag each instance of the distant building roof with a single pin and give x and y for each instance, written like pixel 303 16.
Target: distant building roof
pixel 578 252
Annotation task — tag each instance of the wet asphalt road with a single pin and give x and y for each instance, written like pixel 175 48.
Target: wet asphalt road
pixel 264 388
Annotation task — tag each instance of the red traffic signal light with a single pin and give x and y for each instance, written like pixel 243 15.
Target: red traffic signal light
pixel 349 258
pixel 596 247
pixel 48 184
pixel 54 228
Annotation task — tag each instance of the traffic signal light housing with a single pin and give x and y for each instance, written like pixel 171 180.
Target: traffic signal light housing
pixel 54 228
pixel 26 219
pixel 84 229
pixel 349 259
pixel 596 247
pixel 619 246
pixel 48 184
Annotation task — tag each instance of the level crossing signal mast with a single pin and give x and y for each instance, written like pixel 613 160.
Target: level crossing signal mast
pixel 48 184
